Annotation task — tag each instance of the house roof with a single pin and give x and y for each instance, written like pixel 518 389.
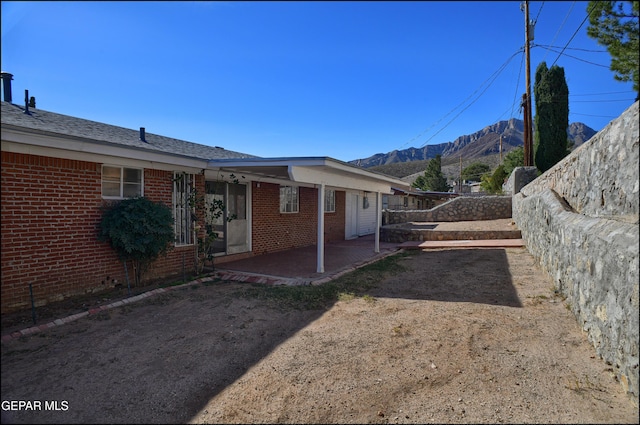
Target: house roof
pixel 90 138
pixel 53 124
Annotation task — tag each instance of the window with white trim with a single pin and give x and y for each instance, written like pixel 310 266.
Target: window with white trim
pixel 289 199
pixel 183 184
pixel 329 201
pixel 121 182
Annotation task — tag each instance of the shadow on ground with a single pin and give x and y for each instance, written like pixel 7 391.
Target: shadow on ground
pixel 457 275
pixel 163 359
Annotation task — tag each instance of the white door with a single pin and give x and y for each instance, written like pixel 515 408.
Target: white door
pixel 231 223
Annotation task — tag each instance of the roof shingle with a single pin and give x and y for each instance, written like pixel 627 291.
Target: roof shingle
pixel 46 122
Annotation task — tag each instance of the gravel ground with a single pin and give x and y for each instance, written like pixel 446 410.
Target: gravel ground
pixel 444 336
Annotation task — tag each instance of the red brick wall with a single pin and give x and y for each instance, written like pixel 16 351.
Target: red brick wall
pixel 275 231
pixel 50 213
pixel 334 223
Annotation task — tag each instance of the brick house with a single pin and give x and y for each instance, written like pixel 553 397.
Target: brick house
pixel 58 170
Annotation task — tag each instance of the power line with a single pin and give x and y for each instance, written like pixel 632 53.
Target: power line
pixel 577 58
pixel 602 101
pixel 596 116
pixel 493 77
pixel 570 48
pixel 575 33
pixel 561 26
pixel 540 10
pixel 458 106
pixel 599 94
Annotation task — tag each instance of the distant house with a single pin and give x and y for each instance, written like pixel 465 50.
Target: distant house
pixel 414 199
pixel 58 170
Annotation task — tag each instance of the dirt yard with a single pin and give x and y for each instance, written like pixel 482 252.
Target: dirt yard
pixel 444 336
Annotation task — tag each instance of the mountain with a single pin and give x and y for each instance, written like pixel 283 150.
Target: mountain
pixel 481 144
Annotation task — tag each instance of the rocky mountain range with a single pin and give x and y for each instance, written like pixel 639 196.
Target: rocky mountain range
pixel 485 142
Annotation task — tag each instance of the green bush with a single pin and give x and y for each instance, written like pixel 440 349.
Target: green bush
pixel 492 183
pixel 139 230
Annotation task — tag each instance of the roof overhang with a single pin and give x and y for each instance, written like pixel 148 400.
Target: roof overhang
pixel 307 171
pixel 36 142
pixel 301 171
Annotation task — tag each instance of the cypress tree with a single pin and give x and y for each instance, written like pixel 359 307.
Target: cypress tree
pixel 551 92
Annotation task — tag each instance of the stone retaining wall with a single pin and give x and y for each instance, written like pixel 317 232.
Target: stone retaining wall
pixel 398 233
pixel 580 221
pixel 462 208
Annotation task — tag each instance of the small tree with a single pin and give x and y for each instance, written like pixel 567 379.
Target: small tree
pixel 432 179
pixel 492 183
pixel 513 159
pixel 475 171
pixel 552 116
pixel 139 230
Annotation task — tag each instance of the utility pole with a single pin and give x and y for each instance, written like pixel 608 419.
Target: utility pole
pixel 501 149
pixel 528 122
pixel 460 185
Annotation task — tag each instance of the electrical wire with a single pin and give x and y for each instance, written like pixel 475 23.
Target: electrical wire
pixel 561 26
pixel 576 58
pixel 575 33
pixel 598 94
pixel 493 77
pixel 540 10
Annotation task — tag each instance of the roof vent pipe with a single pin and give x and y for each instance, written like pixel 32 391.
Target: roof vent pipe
pixel 6 85
pixel 142 135
pixel 26 102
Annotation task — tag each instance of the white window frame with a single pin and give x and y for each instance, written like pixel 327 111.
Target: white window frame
pixel 289 199
pixel 329 201
pixel 122 183
pixel 183 184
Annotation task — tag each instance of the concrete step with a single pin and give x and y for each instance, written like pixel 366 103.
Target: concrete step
pixel 475 243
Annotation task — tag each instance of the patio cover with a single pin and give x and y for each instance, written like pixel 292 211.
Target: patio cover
pixel 317 172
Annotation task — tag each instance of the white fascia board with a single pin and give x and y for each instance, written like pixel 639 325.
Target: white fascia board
pixel 312 175
pixel 243 177
pixel 318 170
pixel 81 150
pixel 343 166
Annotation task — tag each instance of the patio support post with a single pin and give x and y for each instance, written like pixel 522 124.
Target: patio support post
pixel 376 249
pixel 320 260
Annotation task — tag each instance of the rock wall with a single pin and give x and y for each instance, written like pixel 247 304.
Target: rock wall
pixel 580 221
pixel 462 208
pixel 519 178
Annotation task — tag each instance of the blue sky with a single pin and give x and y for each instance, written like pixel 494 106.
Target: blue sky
pixel 340 79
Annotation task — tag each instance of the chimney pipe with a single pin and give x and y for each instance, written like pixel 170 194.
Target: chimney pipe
pixel 142 135
pixel 6 85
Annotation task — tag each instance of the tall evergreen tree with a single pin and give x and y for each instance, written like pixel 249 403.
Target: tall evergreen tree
pixel 551 142
pixel 432 179
pixel 614 25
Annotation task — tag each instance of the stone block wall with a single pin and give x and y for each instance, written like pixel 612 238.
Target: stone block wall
pixel 580 221
pixel 519 178
pixel 463 208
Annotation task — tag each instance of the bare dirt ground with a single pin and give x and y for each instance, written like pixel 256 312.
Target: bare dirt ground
pixel 444 336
